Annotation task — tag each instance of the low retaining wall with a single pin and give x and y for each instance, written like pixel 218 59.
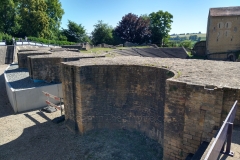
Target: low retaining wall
pixel 30 98
pixel 22 57
pixel 47 67
pixel 79 47
pixel 3 51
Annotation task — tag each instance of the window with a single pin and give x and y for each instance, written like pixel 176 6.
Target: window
pixel 227 25
pixel 235 29
pixel 219 25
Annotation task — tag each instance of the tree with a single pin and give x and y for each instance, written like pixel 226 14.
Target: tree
pixel 34 19
pixel 8 17
pixel 160 26
pixel 133 28
pixel 75 33
pixel 55 13
pixel 193 37
pixel 102 33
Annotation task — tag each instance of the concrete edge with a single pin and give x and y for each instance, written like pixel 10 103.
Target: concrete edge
pixel 30 98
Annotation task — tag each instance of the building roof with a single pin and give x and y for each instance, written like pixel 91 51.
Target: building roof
pixel 225 11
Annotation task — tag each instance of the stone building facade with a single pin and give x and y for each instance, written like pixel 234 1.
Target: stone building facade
pixel 223 33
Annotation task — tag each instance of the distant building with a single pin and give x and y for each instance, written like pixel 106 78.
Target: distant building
pixel 223 33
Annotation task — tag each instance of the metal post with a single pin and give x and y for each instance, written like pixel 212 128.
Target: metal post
pixel 229 138
pixel 61 105
pixel 223 147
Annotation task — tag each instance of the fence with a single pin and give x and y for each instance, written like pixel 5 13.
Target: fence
pixel 224 133
pixel 20 43
pixel 3 43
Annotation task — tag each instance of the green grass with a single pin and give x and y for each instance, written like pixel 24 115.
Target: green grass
pixel 199 35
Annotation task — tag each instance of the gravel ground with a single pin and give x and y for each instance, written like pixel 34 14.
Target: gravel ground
pixel 19 78
pixel 32 135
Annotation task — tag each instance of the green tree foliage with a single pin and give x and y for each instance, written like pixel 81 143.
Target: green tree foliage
pixel 102 33
pixel 34 19
pixel 193 37
pixel 39 18
pixel 186 44
pixel 75 33
pixel 8 17
pixel 160 26
pixel 133 29
pixel 55 13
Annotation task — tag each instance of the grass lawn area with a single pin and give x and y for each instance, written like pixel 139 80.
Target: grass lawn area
pixel 203 35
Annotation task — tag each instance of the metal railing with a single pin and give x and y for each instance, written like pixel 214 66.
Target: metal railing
pixel 3 43
pixel 225 133
pixel 20 43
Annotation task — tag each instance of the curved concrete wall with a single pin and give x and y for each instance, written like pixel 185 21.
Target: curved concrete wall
pixel 128 97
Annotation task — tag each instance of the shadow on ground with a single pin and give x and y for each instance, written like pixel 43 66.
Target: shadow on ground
pixel 54 141
pixel 5 106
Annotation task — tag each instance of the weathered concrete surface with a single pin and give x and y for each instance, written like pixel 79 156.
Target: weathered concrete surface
pixel 47 67
pixel 22 57
pixel 27 48
pixel 7 54
pixel 3 50
pixel 195 100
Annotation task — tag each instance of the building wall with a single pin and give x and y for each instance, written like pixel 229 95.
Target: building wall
pixel 223 34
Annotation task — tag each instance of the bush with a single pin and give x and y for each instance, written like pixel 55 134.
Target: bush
pixel 186 44
pixel 45 41
pixel 6 37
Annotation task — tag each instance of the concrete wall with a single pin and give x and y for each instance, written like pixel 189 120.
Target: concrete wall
pixel 31 98
pixel 47 68
pixel 22 57
pixel 26 48
pixel 115 97
pixel 79 47
pixel 3 51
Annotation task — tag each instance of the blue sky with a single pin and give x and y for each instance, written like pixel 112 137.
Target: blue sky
pixel 189 16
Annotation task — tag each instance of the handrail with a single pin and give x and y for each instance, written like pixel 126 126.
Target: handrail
pixel 224 133
pixel 23 42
